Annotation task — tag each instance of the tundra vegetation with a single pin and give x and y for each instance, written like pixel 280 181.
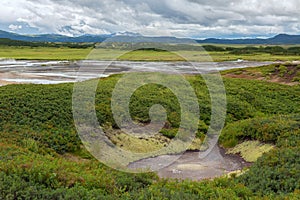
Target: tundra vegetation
pixel 138 52
pixel 42 157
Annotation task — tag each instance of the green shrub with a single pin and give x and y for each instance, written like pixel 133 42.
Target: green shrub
pixel 282 70
pixel 36 123
pixel 275 172
pixel 266 129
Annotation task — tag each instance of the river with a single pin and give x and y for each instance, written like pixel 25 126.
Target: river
pixel 54 72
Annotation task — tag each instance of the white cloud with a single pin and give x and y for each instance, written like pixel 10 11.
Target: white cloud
pixel 14 27
pixel 183 18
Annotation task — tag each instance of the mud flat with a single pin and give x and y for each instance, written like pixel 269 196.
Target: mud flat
pixel 54 72
pixel 191 166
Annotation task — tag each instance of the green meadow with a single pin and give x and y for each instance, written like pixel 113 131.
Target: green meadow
pixel 43 53
pixel 65 53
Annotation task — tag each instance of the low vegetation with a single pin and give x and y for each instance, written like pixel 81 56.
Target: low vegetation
pixel 250 150
pixel 43 53
pixel 144 51
pixel 41 156
pixel 284 73
pixel 15 43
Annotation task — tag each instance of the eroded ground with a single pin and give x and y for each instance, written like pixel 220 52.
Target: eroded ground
pixel 287 74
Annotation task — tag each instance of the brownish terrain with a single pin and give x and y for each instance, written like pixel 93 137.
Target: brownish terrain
pixel 287 74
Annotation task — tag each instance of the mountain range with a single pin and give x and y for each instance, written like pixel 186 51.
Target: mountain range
pixel 135 37
pixel 276 40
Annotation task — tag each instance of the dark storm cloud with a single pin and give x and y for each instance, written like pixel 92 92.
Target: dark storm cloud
pixel 200 18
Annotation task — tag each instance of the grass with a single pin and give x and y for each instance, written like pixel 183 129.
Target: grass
pixel 43 53
pixel 226 56
pixel 151 56
pixel 135 144
pixel 250 150
pixel 47 53
pixel 197 56
pixel 145 145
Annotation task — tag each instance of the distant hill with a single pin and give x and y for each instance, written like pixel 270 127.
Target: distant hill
pixel 53 37
pixel 277 40
pixel 136 38
pixel 143 39
pixel 115 37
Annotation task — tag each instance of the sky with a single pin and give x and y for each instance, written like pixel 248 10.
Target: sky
pixel 179 18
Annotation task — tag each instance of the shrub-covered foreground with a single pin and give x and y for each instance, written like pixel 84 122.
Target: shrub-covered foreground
pixel 41 156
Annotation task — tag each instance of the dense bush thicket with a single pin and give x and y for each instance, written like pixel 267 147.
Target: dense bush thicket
pixel 17 43
pixel 41 156
pixel 279 170
pixel 276 172
pixel 265 129
pixel 158 46
pixel 41 109
pixel 273 50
